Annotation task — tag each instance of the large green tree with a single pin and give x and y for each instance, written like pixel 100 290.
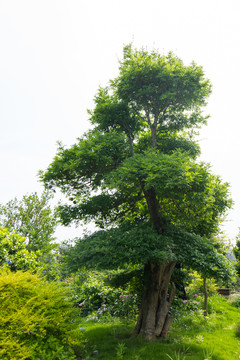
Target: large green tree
pixel 32 218
pixel 136 175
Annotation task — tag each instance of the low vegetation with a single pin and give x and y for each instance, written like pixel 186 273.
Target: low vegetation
pixel 192 336
pixel 48 320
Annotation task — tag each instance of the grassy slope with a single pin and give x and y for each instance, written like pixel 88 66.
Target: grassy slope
pixel 192 337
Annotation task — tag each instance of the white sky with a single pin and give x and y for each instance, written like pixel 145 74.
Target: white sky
pixel 55 54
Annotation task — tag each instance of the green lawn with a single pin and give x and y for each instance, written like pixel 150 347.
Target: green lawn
pixel 192 338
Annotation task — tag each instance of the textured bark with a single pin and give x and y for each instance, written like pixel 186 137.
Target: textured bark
pixel 154 319
pixel 153 206
pixel 167 326
pixel 154 135
pixel 139 323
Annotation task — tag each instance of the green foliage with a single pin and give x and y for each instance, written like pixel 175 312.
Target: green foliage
pixel 236 251
pixel 32 218
pixel 168 142
pixel 138 166
pixel 129 243
pixel 52 266
pixel 134 123
pixel 121 350
pixel 36 319
pixel 195 286
pixel 191 305
pixel 181 355
pixel 238 331
pixel 156 82
pixel 137 243
pixel 131 277
pixel 234 299
pixel 93 295
pixel 14 254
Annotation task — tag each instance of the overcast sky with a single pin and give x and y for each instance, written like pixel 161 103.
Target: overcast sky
pixel 55 54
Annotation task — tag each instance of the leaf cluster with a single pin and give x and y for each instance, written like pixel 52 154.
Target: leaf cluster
pixel 163 88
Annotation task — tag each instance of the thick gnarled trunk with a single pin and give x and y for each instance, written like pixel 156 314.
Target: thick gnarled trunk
pixel 154 319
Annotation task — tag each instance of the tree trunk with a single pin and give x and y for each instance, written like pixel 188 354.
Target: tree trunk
pixel 154 318
pixel 154 136
pixel 153 206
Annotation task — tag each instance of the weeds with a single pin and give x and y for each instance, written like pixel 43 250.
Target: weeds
pixel 180 355
pixel 207 354
pixel 121 350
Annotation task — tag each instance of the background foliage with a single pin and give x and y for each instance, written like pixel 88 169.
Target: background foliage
pixel 32 218
pixel 14 253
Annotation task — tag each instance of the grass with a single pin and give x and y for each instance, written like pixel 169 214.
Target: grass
pixel 192 337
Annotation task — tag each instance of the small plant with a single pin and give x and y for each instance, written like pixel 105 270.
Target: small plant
pixel 207 354
pixel 180 355
pixel 121 350
pixel 177 356
pixel 199 339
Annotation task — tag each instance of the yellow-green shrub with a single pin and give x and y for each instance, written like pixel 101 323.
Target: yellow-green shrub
pixel 36 320
pixel 195 285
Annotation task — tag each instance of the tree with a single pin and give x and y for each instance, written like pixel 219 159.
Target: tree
pixel 32 218
pixel 13 252
pixel 136 174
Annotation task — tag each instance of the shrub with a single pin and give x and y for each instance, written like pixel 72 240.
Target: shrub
pixel 234 299
pixel 36 319
pixel 91 294
pixel 238 330
pixel 181 307
pixel 195 285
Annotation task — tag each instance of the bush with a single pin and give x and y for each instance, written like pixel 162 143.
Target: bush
pixel 195 285
pixel 91 294
pixel 185 307
pixel 36 319
pixel 238 330
pixel 234 299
